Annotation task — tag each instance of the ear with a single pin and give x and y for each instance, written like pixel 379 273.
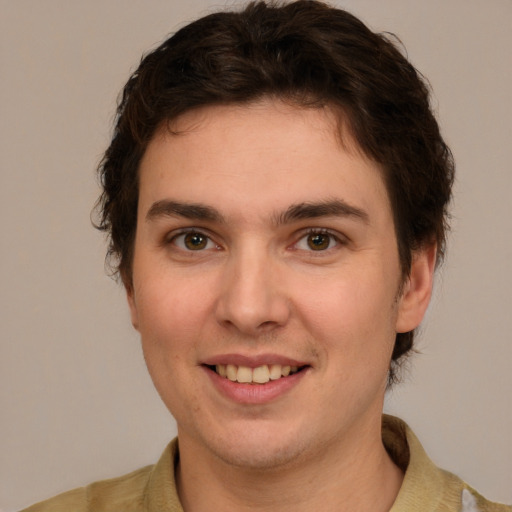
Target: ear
pixel 130 297
pixel 417 289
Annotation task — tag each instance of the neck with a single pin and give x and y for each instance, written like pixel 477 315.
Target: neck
pixel 345 477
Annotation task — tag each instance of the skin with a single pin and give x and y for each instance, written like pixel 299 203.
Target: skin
pixel 257 287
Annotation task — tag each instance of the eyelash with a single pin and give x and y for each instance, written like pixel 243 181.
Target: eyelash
pixel 303 237
pixel 190 231
pixel 321 232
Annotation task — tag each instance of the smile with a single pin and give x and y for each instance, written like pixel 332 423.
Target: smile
pixel 259 375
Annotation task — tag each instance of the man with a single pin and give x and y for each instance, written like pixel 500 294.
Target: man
pixel 276 197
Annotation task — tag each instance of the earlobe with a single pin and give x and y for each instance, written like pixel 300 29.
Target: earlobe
pixel 417 290
pixel 130 297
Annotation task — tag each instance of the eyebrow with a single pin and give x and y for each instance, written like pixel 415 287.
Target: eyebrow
pixel 330 208
pixel 192 211
pixel 295 212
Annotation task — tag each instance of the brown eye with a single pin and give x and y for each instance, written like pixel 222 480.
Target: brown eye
pixel 319 241
pixel 195 241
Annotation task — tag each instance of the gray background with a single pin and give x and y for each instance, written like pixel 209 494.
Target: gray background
pixel 76 402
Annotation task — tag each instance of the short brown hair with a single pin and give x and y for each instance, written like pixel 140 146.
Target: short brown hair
pixel 312 55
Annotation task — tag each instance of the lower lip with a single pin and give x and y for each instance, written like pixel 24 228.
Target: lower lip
pixel 255 393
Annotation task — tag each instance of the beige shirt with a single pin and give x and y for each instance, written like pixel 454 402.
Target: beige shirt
pixel 425 488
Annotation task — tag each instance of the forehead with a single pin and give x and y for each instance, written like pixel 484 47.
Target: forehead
pixel 270 153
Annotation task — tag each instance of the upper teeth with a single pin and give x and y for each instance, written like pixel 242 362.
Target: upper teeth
pixel 260 375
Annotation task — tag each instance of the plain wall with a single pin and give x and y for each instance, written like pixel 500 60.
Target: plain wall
pixel 76 401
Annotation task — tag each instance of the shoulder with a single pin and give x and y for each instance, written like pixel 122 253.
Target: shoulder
pixel 122 493
pixel 151 488
pixel 474 502
pixel 72 501
pixel 425 486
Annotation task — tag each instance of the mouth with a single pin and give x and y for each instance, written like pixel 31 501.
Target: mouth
pixel 259 375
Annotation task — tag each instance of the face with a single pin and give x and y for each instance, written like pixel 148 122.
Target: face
pixel 266 283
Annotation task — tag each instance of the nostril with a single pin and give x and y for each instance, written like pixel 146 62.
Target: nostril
pixel 268 324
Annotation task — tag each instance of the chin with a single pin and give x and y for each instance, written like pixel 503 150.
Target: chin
pixel 260 457
pixel 259 450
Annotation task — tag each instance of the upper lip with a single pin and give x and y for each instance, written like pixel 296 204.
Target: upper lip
pixel 253 361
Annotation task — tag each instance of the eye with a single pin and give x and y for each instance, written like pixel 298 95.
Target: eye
pixel 317 241
pixel 193 241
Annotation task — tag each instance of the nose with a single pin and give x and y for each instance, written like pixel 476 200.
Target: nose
pixel 252 298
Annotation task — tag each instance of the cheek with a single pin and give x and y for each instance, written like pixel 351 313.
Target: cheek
pixel 164 344
pixel 352 319
pixel 349 304
pixel 170 306
pixel 170 332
